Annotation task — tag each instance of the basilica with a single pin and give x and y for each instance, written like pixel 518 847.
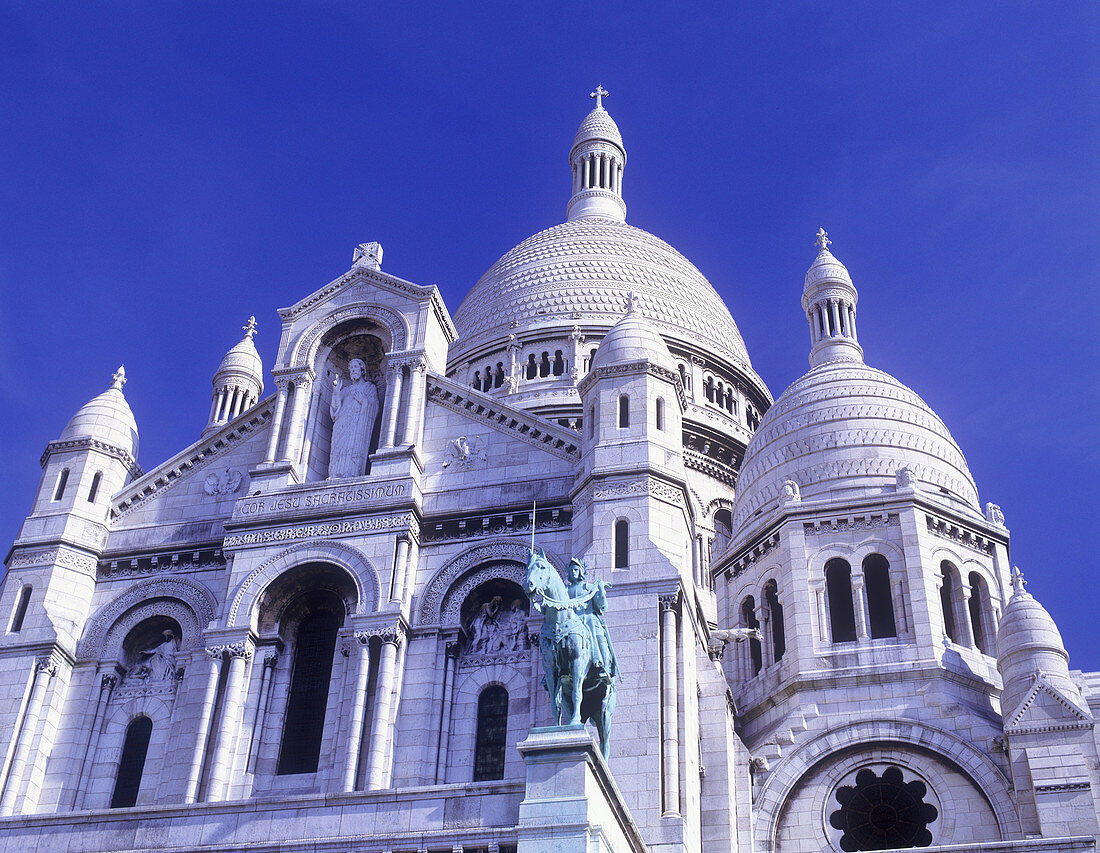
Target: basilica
pixel 335 621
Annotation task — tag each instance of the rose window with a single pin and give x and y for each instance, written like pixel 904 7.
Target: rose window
pixel 883 812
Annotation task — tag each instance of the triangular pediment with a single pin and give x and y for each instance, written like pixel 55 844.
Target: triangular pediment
pixel 1047 707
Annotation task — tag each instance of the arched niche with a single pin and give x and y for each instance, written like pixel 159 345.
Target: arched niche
pixel 363 317
pixel 305 589
pixel 244 610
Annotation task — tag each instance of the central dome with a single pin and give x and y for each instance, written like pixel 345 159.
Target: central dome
pixel 583 271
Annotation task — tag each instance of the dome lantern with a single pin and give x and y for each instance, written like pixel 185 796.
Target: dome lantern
pixel 597 160
pixel 829 300
pixel 238 381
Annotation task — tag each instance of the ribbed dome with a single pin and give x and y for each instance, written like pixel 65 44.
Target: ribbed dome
pixel 598 124
pixel 242 361
pixel 582 272
pixel 106 418
pixel 631 340
pixel 844 429
pixel 825 268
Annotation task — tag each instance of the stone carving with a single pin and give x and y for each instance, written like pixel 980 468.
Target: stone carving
pixel 224 482
pixel 579 665
pixel 906 477
pixel 368 255
pixel 319 531
pixel 791 493
pixel 354 410
pixel 994 515
pixel 465 452
pixel 55 556
pixel 496 628
pixel 157 663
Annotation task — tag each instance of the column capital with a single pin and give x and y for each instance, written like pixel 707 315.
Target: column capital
pixel 271 659
pixel 108 681
pixel 46 664
pixel 668 601
pixel 239 649
pixel 453 648
pixel 391 634
pixel 282 384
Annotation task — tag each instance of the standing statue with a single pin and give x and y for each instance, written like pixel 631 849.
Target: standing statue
pixel 354 410
pixel 577 658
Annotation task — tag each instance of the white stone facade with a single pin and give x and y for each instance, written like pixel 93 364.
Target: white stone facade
pixel 821 643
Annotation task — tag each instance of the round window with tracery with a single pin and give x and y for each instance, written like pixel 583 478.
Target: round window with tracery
pixel 882 812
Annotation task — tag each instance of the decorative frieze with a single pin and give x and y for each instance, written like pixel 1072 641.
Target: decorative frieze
pixel 474 525
pixel 961 535
pixel 650 486
pixel 320 531
pixel 172 562
pixel 753 555
pixel 60 556
pixel 720 471
pixel 845 524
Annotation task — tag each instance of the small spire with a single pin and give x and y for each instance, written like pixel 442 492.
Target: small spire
pixel 632 302
pixel 1018 582
pixel 250 327
pixel 822 242
pixel 599 95
pixel 119 378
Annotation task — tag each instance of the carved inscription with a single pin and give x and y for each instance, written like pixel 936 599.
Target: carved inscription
pixel 350 496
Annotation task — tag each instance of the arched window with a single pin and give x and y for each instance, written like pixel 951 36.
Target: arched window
pixel 947 601
pixel 559 363
pixel 775 609
pixel 492 733
pixel 979 612
pixel 624 411
pixel 20 612
pixel 708 389
pixel 498 376
pixel 723 533
pixel 622 543
pixel 94 490
pixel 132 763
pixel 838 587
pixel 880 604
pixel 61 482
pixel 477 380
pixel 749 620
pixel 488 383
pixel 304 727
pixel 544 365
pixel 532 367
pixel 661 414
pixel 684 377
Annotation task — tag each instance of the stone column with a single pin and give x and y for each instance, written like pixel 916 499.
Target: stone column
pixel 417 372
pixel 835 314
pixel 852 321
pixel 221 766
pixel 359 701
pixel 277 419
pixel 860 601
pixel 822 620
pixel 382 730
pixel 966 626
pixel 44 669
pixel 107 684
pixel 400 567
pixel 767 650
pixel 670 719
pixel 393 404
pixel 267 676
pixel 194 773
pixel 450 663
pixel 297 428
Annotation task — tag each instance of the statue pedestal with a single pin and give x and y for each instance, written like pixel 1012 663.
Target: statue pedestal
pixel 571 803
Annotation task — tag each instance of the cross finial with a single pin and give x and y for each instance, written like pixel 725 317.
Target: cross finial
pixel 822 241
pixel 1018 582
pixel 119 378
pixel 250 327
pixel 599 95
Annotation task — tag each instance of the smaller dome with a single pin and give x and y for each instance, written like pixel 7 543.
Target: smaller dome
pixel 826 268
pixel 598 124
pixel 243 361
pixel 106 418
pixel 1028 643
pixel 633 339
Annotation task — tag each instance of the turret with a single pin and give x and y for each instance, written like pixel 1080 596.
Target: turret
pixel 597 160
pixel 829 300
pixel 238 381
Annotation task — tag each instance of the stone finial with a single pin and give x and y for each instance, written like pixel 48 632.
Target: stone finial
pixel 250 327
pixel 368 255
pixel 994 515
pixel 119 378
pixel 906 477
pixel 822 242
pixel 1018 581
pixel 632 302
pixel 599 95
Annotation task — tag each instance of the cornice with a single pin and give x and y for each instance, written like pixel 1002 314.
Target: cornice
pixel 84 443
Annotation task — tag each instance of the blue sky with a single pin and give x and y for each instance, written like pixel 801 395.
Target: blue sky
pixel 166 170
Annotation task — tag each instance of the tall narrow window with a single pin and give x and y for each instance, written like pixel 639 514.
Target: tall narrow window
pixel 592 422
pixel 622 543
pixel 61 483
pixel 880 605
pixel 492 733
pixel 749 620
pixel 20 612
pixel 624 411
pixel 979 607
pixel 838 586
pixel 661 413
pixel 132 763
pixel 94 490
pixel 947 601
pixel 558 367
pixel 532 367
pixel 775 608
pixel 309 683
